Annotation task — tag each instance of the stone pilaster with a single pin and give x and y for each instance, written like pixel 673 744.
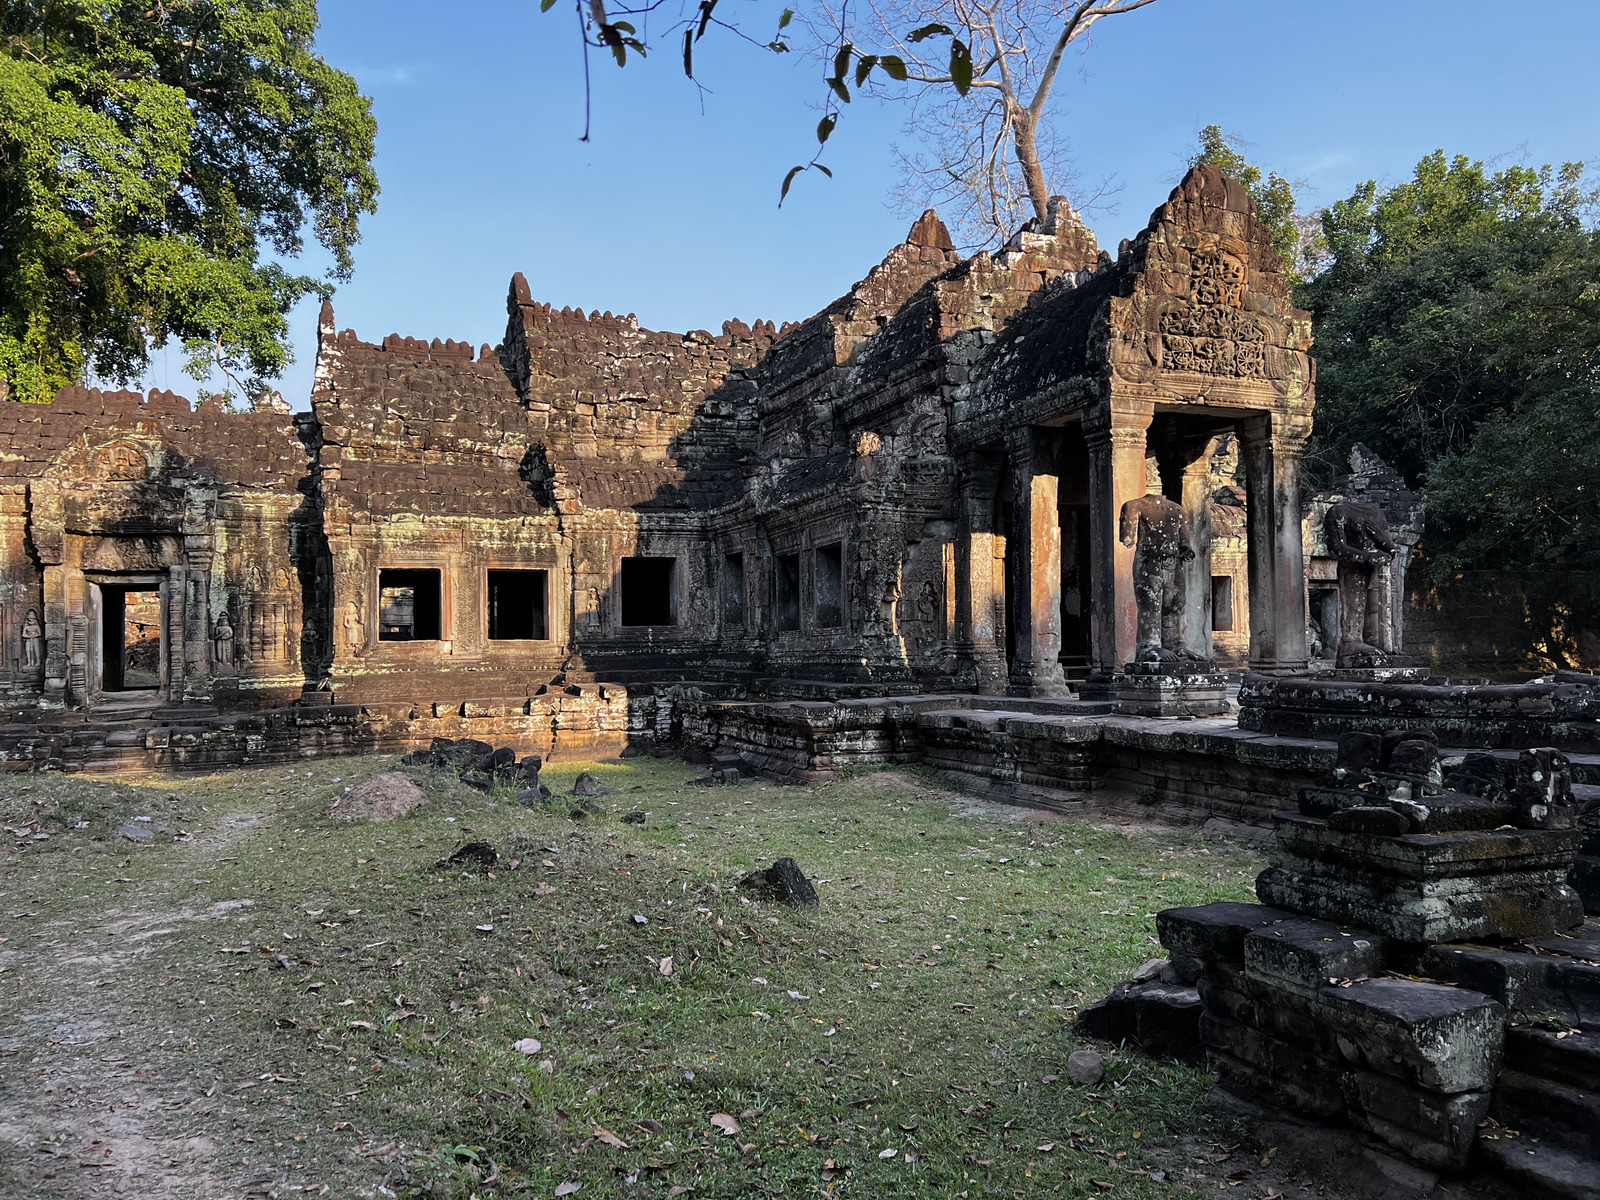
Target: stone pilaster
pixel 980 664
pixel 1035 551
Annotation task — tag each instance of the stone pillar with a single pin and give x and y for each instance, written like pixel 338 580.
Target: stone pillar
pixel 176 614
pixel 55 635
pixel 980 665
pixel 1115 433
pixel 1035 551
pixel 1271 458
pixel 1196 501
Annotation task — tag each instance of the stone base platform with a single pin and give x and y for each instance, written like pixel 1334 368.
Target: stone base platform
pixel 1389 674
pixel 1562 710
pixel 1160 690
pixel 1500 885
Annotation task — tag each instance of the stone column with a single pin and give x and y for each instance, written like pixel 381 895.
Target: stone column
pixel 1271 458
pixel 1115 433
pixel 980 665
pixel 1035 552
pixel 54 618
pixel 1196 502
pixel 177 622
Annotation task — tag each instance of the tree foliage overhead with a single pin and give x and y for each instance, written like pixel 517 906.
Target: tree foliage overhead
pixel 1458 335
pixel 977 76
pixel 1294 237
pixel 155 157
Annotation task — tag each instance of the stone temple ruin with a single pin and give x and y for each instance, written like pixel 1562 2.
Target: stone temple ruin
pixel 594 535
pixel 1016 517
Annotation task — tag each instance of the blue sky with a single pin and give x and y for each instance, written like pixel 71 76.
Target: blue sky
pixel 671 213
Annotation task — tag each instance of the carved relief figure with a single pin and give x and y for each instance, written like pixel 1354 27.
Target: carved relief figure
pixel 1157 530
pixel 222 644
pixel 1213 335
pixel 354 633
pixel 32 640
pixel 928 603
pixel 1358 536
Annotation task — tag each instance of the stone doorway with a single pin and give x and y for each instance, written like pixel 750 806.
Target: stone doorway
pixel 131 638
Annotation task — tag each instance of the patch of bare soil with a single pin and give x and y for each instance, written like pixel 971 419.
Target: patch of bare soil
pixel 83 1110
pixel 381 798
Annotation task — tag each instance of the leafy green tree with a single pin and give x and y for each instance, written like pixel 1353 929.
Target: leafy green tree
pixel 1458 335
pixel 156 158
pixel 1294 237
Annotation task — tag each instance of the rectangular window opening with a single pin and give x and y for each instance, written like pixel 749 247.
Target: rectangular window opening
pixel 1222 603
pixel 733 589
pixel 649 591
pixel 829 564
pixel 519 606
pixel 408 606
pixel 786 592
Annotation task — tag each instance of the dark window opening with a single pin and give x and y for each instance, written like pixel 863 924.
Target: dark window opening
pixel 649 591
pixel 130 623
pixel 518 606
pixel 786 592
pixel 733 589
pixel 1222 603
pixel 408 606
pixel 829 565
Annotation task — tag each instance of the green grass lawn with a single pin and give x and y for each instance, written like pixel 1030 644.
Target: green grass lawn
pixel 355 1023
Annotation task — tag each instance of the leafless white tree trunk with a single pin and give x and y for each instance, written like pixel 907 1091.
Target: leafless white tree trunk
pixel 978 74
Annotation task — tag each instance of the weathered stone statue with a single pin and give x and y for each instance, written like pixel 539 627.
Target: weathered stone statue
pixel 1358 536
pixel 32 640
pixel 1157 529
pixel 222 645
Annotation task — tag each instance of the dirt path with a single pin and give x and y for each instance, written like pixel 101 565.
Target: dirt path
pixel 104 1087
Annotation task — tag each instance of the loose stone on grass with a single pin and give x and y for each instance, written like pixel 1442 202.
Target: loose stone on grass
pixel 783 881
pixel 1086 1066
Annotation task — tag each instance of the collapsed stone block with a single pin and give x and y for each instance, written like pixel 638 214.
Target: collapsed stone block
pixel 1162 1019
pixel 1443 1039
pixel 1439 1131
pixel 1305 956
pixel 1212 932
pixel 1425 888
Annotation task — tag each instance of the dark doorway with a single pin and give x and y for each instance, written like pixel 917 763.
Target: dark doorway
pixel 408 606
pixel 649 591
pixel 829 584
pixel 786 592
pixel 1222 603
pixel 518 606
pixel 1075 592
pixel 130 631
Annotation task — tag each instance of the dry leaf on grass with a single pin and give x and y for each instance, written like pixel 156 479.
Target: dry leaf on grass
pixel 609 1138
pixel 566 1189
pixel 665 966
pixel 724 1122
pixel 528 1046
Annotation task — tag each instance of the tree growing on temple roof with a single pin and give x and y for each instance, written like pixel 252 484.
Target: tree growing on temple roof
pixel 1298 239
pixel 156 159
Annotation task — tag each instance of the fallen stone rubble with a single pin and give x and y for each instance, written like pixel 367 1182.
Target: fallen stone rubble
pixel 1421 969
pixel 479 765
